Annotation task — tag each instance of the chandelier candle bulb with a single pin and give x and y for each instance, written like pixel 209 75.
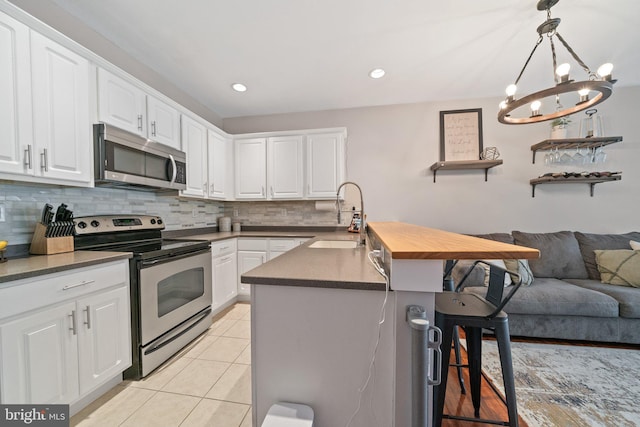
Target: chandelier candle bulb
pixel 604 71
pixel 563 72
pixel 535 108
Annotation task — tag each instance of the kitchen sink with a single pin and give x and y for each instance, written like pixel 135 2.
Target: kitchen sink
pixel 334 244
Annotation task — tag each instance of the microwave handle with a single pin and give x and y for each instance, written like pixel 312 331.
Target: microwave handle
pixel 174 169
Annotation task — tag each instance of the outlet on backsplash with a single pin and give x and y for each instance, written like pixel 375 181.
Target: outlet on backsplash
pixel 2 213
pixel 283 212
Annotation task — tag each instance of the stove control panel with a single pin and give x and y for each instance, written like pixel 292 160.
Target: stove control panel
pixel 117 223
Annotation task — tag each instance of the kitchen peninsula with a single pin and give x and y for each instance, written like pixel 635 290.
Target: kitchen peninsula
pixel 315 313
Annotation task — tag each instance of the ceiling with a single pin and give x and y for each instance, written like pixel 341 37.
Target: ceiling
pixel 308 55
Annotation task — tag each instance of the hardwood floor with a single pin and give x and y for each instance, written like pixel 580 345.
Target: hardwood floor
pixel 456 403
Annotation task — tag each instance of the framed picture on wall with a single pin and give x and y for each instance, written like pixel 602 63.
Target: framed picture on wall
pixel 461 134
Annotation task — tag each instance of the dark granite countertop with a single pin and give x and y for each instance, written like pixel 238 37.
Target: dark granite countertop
pixel 320 267
pixel 37 265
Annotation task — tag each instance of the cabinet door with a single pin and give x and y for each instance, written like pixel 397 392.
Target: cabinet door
pixel 16 132
pixel 251 164
pixel 325 164
pixel 284 167
pixel 104 328
pixel 194 143
pixel 225 278
pixel 248 260
pixel 40 357
pixel 62 128
pixel 121 104
pixel 163 123
pixel 219 166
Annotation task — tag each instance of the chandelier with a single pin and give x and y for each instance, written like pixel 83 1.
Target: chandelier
pixel 596 88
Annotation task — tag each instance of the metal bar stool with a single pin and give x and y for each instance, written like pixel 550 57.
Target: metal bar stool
pixel 475 313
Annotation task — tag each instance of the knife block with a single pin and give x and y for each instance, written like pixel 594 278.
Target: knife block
pixel 41 245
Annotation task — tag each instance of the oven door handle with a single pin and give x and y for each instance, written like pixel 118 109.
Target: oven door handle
pixel 152 262
pixel 163 341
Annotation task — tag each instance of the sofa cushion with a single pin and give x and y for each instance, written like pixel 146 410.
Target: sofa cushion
pixel 547 296
pixel 628 298
pixel 590 242
pixel 560 255
pixel 619 267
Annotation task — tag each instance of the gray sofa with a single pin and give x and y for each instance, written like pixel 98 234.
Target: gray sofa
pixel 567 299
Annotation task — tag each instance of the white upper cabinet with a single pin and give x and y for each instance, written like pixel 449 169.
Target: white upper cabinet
pixel 285 178
pixel 194 144
pixel 62 127
pixel 126 106
pixel 220 166
pixel 325 164
pixel 121 103
pixel 16 132
pixel 287 166
pixel 163 123
pixel 270 168
pixel 44 108
pixel 251 168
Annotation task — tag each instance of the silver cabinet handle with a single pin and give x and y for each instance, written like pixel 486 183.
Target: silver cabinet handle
pixel 140 122
pixel 88 321
pixel 44 156
pixel 271 190
pixel 83 283
pixel 225 259
pixel 153 128
pixel 262 191
pixel 28 157
pixel 212 189
pixel 73 323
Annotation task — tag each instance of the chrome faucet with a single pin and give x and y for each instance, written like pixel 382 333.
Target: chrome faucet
pixel 363 232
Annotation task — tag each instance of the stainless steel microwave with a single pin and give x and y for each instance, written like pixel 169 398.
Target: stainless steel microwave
pixel 126 159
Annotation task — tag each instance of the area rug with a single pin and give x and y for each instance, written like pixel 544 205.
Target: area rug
pixel 567 386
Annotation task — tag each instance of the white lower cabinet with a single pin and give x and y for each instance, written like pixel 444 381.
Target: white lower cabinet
pixel 40 358
pixel 225 273
pixel 64 334
pixel 252 252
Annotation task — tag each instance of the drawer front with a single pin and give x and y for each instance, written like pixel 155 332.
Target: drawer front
pixel 224 247
pixel 29 294
pixel 248 244
pixel 282 245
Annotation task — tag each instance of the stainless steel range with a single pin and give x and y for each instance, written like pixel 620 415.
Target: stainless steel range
pixel 170 283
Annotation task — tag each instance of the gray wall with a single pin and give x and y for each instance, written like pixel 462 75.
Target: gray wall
pixel 391 148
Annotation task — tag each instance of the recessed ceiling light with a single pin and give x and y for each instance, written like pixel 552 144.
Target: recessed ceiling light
pixel 376 73
pixel 239 87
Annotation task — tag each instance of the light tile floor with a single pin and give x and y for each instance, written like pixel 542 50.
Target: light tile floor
pixel 208 383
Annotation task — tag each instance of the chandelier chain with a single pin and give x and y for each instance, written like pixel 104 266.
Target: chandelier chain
pixel 574 54
pixel 529 59
pixel 554 60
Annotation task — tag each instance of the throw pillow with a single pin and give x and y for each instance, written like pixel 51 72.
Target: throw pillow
pixel 634 245
pixel 560 255
pixel 520 266
pixel 619 267
pixel 497 262
pixel 590 242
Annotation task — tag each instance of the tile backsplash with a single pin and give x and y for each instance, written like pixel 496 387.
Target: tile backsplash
pixel 23 204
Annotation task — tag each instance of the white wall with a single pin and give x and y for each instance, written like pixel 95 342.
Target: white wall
pixel 391 148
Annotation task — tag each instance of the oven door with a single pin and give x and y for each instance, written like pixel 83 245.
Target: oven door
pixel 171 291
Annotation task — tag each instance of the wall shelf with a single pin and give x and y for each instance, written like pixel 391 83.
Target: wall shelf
pixel 568 143
pixel 592 181
pixel 464 164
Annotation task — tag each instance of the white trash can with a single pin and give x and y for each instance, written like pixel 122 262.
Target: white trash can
pixel 285 414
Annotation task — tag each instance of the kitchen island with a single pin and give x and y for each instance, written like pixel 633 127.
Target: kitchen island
pixel 316 314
